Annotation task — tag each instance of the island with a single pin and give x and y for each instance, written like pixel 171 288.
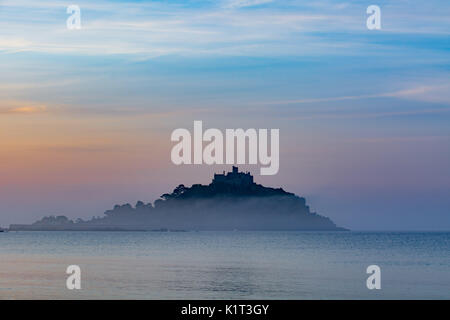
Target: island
pixel 232 201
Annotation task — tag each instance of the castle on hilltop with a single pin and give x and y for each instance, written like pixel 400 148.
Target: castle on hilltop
pixel 232 201
pixel 233 178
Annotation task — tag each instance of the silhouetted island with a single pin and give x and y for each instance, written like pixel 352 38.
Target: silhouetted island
pixel 232 201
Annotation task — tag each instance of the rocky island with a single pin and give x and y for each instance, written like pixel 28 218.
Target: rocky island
pixel 232 201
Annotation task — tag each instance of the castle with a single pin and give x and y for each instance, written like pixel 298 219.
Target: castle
pixel 234 178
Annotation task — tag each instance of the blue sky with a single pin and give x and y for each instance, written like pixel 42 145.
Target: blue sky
pixel 363 114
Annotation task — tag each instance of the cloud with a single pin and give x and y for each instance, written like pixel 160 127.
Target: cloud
pixel 423 93
pixel 427 93
pixel 196 33
pixel 374 114
pixel 244 3
pixel 162 28
pixel 21 107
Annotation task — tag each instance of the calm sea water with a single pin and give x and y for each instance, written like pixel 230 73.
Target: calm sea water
pixel 224 265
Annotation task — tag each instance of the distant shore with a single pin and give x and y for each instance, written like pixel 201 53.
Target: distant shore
pixel 26 227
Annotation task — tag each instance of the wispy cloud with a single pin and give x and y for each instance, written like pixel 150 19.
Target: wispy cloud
pixel 24 109
pixel 162 28
pixel 244 3
pixel 423 93
pixel 371 115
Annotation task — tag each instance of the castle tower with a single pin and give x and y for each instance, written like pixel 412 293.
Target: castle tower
pixel 234 178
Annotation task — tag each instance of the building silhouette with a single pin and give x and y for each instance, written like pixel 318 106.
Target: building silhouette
pixel 233 178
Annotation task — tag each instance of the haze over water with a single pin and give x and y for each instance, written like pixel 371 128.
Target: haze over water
pixel 224 265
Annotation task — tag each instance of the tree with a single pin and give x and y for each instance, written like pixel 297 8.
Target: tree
pixel 139 205
pixel 179 190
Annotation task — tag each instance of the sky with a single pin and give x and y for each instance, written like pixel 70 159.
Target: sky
pixel 364 115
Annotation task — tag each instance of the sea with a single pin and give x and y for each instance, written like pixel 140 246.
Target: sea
pixel 225 265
